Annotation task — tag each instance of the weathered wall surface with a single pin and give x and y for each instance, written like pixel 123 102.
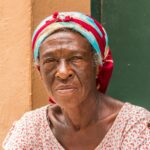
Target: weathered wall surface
pixel 15 61
pixel 41 9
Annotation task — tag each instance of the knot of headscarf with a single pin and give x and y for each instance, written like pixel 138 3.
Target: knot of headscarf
pixel 87 26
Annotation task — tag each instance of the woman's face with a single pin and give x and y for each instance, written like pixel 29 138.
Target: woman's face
pixel 67 68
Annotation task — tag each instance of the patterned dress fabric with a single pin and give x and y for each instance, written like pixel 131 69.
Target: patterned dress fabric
pixel 130 131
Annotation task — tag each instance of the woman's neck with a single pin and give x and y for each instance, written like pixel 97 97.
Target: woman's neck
pixel 83 115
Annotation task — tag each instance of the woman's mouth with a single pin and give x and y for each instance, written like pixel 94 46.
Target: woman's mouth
pixel 66 89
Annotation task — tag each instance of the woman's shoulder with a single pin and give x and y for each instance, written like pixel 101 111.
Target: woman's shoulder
pixel 131 129
pixel 28 130
pixel 36 114
pixel 33 117
pixel 127 110
pixel 136 113
pixel 134 118
pixel 137 119
pixel 136 127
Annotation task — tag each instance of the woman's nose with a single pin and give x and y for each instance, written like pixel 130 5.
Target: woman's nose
pixel 64 71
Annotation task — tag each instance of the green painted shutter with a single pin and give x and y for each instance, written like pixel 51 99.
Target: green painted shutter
pixel 128 26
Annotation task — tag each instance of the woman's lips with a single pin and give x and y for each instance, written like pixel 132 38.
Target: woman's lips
pixel 66 89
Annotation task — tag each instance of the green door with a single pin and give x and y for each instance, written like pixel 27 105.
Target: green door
pixel 127 23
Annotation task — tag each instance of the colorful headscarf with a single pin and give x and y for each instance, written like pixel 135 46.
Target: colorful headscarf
pixel 91 29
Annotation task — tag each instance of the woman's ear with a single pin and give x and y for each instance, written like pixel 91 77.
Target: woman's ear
pixel 38 68
pixel 39 71
pixel 98 69
pixel 98 76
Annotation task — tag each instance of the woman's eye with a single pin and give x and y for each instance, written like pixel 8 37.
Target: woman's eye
pixel 49 60
pixel 76 58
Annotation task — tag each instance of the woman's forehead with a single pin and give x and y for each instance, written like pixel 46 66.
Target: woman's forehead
pixel 65 33
pixel 65 39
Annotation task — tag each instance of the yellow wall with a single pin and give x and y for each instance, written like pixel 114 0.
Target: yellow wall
pixel 20 85
pixel 15 61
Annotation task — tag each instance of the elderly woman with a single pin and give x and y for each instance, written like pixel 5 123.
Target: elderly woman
pixel 72 54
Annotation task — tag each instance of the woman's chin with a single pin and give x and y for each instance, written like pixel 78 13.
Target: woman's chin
pixel 67 100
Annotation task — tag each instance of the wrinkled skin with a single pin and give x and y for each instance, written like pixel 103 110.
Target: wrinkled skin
pixel 81 116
